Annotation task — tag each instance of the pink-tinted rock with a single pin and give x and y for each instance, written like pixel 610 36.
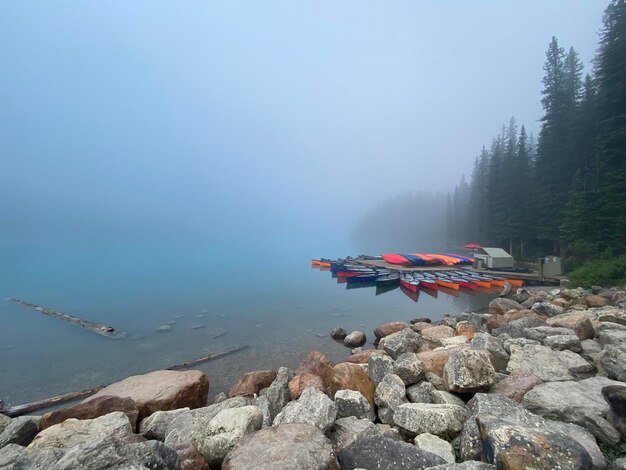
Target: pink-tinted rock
pixel 99 406
pixel 578 322
pixel 596 301
pixel 348 376
pixel 317 364
pixel 161 390
pixel 418 327
pixel 437 333
pixel 495 321
pixel 517 384
pixel 363 356
pixel 190 457
pixel 501 305
pixel 302 381
pixel 435 361
pixel 252 383
pixel 466 329
pixel 388 328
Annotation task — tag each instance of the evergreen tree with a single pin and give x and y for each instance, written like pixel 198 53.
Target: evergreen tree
pixel 610 70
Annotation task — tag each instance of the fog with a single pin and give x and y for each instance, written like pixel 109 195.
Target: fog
pixel 251 121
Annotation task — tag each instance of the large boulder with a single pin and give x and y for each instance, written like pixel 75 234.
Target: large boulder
pixel 353 403
pixel 20 431
pixel 594 301
pixel 547 364
pixel 580 323
pixel 436 445
pixel 547 308
pixel 441 420
pixel 409 368
pixel 362 357
pixel 300 382
pixel 161 390
pixel 378 367
pixel 73 432
pixel 613 360
pixel 468 371
pixel 516 384
pixel 346 430
pixel 615 395
pixel 390 392
pixel 434 361
pixel 317 364
pixel 288 447
pixel 575 402
pixel 9 454
pixel 347 376
pixel 216 439
pixel 502 432
pixel 370 450
pixel 435 335
pixel 491 344
pixel 389 328
pixel 421 392
pixel 252 383
pixel 155 426
pixel 401 342
pixel 92 409
pixel 278 393
pixel 100 453
pixel 312 407
pixel 501 305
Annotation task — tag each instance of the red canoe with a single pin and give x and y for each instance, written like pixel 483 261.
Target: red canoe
pixel 393 258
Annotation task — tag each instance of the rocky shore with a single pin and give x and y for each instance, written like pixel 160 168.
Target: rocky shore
pixel 537 382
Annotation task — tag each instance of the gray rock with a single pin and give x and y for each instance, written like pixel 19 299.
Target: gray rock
pixel 435 445
pixel 312 407
pixel 390 432
pixel 549 365
pixel 20 431
pixel 540 333
pixel 467 465
pixel 390 392
pixel 99 454
pixel 4 420
pixel 346 430
pixel 499 430
pixel 409 368
pixel 515 328
pixel 500 306
pixel 355 339
pixel 338 333
pixel 9 454
pixel 509 342
pixel 590 346
pixel 264 406
pixel 370 450
pixel 547 308
pixel 288 447
pixel 421 392
pixel 613 315
pixel 564 343
pixel 468 371
pixel 441 397
pixel 155 426
pixel 353 403
pixel 618 464
pixel 401 342
pixel 441 420
pixel 379 365
pixel 478 320
pixel 215 440
pixel 607 325
pixel 220 397
pixel 278 394
pixel 613 360
pixel 484 341
pixel 612 337
pixel 575 402
pixel 615 395
pixel 385 415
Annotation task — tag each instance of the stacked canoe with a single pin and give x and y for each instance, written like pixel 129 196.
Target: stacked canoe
pixel 426 259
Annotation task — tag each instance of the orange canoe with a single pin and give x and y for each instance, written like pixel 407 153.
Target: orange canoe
pixel 449 285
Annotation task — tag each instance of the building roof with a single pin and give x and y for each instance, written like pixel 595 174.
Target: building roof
pixel 496 252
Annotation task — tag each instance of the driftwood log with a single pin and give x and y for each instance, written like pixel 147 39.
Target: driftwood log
pixel 19 410
pixel 104 330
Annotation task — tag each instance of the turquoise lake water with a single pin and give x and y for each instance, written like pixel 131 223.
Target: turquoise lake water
pixel 272 301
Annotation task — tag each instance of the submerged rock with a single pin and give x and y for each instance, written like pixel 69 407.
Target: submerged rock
pixel 355 339
pixel 338 333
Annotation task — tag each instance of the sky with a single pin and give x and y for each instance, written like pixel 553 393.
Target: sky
pixel 204 120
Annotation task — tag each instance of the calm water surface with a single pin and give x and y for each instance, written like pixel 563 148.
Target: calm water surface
pixel 274 302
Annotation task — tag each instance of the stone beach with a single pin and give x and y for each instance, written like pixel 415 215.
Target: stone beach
pixel 539 381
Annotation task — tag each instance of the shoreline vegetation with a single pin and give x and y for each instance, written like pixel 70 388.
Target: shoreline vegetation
pixel 474 391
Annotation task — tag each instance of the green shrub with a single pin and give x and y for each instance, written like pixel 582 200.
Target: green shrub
pixel 602 272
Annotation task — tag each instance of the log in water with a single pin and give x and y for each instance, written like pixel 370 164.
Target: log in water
pixel 20 410
pixel 104 330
